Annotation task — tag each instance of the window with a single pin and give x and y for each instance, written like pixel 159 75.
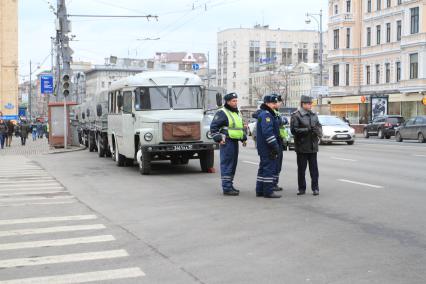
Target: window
pixel 388 32
pixel 368 74
pixel 336 9
pixel 388 3
pixel 348 38
pixel 368 36
pixel 287 56
pixel 335 75
pixel 348 6
pixel 303 55
pixel 234 54
pixel 234 75
pixel 377 74
pixel 378 34
pixel 414 20
pixel 154 98
pixel 336 39
pixel 398 71
pixel 399 2
pixel 369 6
pixel 387 65
pixel 127 102
pixel 234 64
pixel 347 74
pixel 316 55
pixel 414 65
pixel 398 30
pixel 379 5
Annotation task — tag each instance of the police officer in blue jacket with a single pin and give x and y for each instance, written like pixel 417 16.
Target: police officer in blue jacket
pixel 282 121
pixel 268 147
pixel 227 129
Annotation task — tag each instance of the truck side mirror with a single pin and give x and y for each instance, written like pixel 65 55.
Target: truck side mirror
pixel 219 99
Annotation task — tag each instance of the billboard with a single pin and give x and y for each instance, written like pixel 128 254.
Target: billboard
pixel 379 106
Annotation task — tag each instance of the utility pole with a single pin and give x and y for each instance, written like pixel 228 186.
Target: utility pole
pixel 30 93
pixel 208 69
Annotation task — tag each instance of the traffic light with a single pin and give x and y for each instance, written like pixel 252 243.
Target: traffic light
pixel 66 85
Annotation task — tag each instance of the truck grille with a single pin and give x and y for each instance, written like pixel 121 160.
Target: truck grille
pixel 181 131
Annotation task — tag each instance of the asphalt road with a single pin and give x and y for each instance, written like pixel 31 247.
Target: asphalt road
pixel 367 226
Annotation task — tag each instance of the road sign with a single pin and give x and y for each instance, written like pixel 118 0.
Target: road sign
pixel 46 84
pixel 195 66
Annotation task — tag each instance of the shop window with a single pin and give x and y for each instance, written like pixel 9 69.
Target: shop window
pixel 394 108
pixel 409 109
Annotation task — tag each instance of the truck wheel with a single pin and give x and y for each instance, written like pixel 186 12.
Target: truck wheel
pixel 206 160
pixel 145 163
pixel 92 142
pixel 120 160
pixel 100 146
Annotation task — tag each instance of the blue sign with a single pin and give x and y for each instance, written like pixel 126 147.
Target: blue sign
pixel 9 117
pixel 46 84
pixel 9 106
pixel 22 111
pixel 195 66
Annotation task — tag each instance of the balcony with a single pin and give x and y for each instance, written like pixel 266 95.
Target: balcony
pixel 341 18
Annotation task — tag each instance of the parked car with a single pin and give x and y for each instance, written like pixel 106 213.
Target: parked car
pixel 336 130
pixel 414 128
pixel 383 126
pixel 251 126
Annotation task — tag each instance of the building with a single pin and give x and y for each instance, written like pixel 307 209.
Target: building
pixel 377 51
pixel 179 61
pixel 9 57
pixel 242 52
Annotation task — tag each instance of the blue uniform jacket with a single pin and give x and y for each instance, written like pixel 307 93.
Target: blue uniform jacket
pixel 268 132
pixel 221 120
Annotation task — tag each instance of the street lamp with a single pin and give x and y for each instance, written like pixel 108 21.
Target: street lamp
pixel 314 16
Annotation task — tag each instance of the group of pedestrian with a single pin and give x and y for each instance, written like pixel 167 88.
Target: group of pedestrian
pixel 22 129
pixel 227 129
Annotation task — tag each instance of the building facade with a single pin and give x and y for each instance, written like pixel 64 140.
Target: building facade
pixel 9 57
pixel 242 52
pixel 377 51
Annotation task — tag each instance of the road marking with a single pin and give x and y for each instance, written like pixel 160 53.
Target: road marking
pixel 2 200
pixel 344 159
pixel 36 203
pixel 422 156
pixel 360 183
pixel 47 219
pixel 86 277
pixel 30 193
pixel 65 258
pixel 57 243
pixel 24 182
pixel 32 189
pixel 251 163
pixel 58 229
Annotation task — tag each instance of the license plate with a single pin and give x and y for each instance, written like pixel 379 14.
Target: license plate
pixel 182 147
pixel 342 136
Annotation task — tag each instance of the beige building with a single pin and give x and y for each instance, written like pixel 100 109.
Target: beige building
pixel 9 57
pixel 243 52
pixel 377 51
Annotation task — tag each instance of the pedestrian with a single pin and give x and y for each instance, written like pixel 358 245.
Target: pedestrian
pixel 10 129
pixel 34 131
pixel 268 147
pixel 227 129
pixel 24 129
pixel 3 132
pixel 307 131
pixel 282 121
pixel 39 126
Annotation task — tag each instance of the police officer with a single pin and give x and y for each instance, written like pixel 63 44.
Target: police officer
pixel 227 129
pixel 282 121
pixel 307 131
pixel 268 147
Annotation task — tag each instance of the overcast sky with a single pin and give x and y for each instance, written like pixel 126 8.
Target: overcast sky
pixel 183 25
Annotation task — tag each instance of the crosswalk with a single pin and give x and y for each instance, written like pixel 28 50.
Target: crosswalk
pixel 49 237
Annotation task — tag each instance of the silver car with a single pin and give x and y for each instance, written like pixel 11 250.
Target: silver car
pixel 336 130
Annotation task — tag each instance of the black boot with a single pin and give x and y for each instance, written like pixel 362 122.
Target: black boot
pixel 231 193
pixel 272 195
pixel 301 193
pixel 278 188
pixel 316 192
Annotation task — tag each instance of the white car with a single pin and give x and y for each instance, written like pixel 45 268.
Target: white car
pixel 336 130
pixel 251 128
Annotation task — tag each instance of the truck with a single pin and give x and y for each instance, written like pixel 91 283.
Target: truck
pixel 151 116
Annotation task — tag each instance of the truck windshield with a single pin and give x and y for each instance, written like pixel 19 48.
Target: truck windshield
pixel 162 98
pixel 152 98
pixel 186 97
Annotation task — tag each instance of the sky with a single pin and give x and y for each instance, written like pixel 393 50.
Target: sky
pixel 182 25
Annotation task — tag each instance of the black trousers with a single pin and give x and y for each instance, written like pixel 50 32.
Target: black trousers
pixel 23 140
pixel 302 161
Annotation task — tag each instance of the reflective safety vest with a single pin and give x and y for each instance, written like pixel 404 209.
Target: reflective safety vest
pixel 235 124
pixel 283 131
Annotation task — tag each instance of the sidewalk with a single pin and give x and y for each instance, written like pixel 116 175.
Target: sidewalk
pixel 32 148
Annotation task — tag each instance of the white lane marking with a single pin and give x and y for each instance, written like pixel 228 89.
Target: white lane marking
pixel 3 200
pixel 57 242
pixel 58 229
pixel 65 258
pixel 344 159
pixel 19 189
pixel 95 276
pixel 422 156
pixel 36 203
pixel 251 163
pixel 47 219
pixel 22 182
pixel 360 183
pixel 30 193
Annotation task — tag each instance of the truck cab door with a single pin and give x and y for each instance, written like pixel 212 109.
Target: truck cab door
pixel 127 147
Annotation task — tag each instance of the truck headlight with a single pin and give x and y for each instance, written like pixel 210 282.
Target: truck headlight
pixel 148 137
pixel 209 135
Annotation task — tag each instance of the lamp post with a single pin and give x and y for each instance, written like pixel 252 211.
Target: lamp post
pixel 314 16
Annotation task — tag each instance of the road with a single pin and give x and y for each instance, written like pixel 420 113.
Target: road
pixel 175 226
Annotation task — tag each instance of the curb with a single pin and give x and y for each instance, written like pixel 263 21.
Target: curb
pixel 68 151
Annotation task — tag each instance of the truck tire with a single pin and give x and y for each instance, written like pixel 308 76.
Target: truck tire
pixel 206 160
pixel 120 160
pixel 145 164
pixel 92 141
pixel 100 146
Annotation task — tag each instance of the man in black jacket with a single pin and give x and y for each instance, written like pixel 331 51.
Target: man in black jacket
pixel 307 131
